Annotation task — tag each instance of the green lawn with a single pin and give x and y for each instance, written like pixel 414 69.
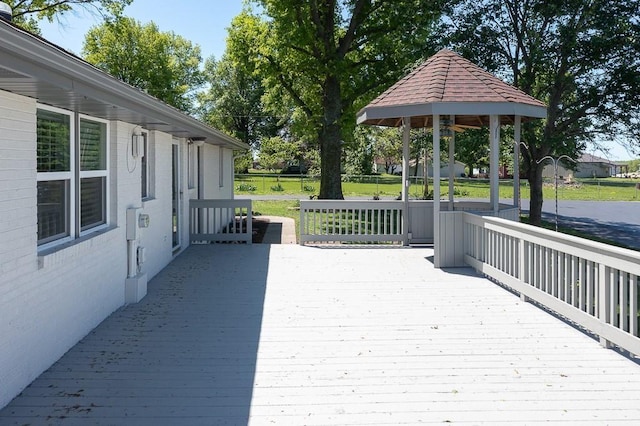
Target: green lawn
pixel 282 208
pixel 388 186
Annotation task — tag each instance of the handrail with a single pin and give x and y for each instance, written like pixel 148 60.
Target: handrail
pixel 593 284
pixel 220 221
pixel 366 221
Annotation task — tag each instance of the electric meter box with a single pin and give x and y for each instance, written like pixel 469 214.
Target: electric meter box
pixel 133 224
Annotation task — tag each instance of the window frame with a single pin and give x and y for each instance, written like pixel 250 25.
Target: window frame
pixel 73 178
pixel 146 187
pixel 192 165
pixel 88 174
pixel 221 167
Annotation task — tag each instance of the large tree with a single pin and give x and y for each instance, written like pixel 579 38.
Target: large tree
pixel 27 13
pixel 582 58
pixel 163 64
pixel 233 100
pixel 327 58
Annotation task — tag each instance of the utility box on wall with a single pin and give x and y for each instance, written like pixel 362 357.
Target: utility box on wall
pixel 136 282
pixel 135 221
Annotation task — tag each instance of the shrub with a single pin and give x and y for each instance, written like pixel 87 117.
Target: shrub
pixel 277 188
pixel 308 188
pixel 247 187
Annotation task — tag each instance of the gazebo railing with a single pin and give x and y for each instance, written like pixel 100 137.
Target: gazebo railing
pixel 351 221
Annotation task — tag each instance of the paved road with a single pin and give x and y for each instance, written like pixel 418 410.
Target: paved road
pixel 614 220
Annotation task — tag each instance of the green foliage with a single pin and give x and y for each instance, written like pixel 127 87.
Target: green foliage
pixel 243 161
pixel 277 188
pixel 275 152
pixel 634 165
pixel 388 147
pixel 246 187
pixel 581 58
pixel 27 13
pixel 472 148
pixel 233 101
pixel 322 61
pixel 162 64
pixel 308 188
pixel 359 154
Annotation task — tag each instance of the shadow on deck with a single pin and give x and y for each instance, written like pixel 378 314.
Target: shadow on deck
pixel 187 351
pixel 285 334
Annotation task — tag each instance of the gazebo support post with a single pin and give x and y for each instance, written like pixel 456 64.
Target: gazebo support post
pixel 516 161
pixel 436 191
pixel 406 134
pixel 494 162
pixel 452 150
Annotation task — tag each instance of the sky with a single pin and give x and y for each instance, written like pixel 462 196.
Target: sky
pixel 203 22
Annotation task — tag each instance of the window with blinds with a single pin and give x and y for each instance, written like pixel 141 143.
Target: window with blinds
pixel 54 162
pixel 72 182
pixel 93 173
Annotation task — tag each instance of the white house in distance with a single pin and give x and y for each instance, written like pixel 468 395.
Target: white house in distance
pixel 588 166
pixel 95 180
pixel 379 166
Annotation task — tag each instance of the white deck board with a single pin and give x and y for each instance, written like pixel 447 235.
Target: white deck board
pixel 291 335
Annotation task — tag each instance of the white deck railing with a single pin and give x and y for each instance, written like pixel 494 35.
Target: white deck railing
pixel 592 284
pixel 220 221
pixel 351 221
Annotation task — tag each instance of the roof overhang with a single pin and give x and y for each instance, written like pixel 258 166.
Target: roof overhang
pixel 33 67
pixel 467 113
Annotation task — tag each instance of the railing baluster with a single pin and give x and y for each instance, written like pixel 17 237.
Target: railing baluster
pixel 634 302
pixel 623 295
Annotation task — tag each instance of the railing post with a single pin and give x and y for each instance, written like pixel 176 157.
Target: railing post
pixel 604 284
pixel 302 223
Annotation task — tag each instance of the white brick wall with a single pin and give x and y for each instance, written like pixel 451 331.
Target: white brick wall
pixel 50 300
pixel 212 188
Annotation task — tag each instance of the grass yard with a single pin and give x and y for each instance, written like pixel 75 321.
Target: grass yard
pixel 282 208
pixel 389 187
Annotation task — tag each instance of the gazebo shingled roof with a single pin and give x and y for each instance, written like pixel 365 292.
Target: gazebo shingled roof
pixel 448 84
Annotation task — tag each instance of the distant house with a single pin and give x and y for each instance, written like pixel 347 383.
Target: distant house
pixel 95 182
pixel 587 166
pixel 459 168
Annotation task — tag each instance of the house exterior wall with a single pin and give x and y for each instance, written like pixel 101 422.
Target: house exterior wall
pixel 584 170
pixel 213 186
pixel 50 299
pixel 459 170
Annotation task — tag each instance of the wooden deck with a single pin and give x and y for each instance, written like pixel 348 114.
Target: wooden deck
pixel 291 335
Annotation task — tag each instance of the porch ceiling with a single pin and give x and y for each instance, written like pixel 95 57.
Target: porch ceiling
pixel 448 84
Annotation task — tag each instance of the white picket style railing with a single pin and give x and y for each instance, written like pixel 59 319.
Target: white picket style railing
pixel 365 221
pixel 593 284
pixel 220 221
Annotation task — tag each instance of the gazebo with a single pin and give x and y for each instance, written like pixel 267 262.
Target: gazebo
pixel 449 92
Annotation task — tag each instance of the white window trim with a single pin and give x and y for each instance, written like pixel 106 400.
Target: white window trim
pixel 146 157
pixel 192 166
pixel 221 167
pixel 74 176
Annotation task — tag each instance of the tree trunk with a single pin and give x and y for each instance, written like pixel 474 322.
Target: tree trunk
pixel 330 136
pixel 535 193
